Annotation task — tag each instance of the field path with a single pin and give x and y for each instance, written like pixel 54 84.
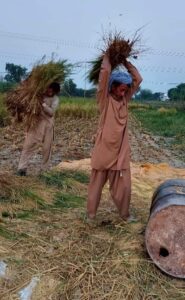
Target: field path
pixel 73 140
pixel 149 148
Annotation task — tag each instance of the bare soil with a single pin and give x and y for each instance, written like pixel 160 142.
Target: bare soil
pixel 73 140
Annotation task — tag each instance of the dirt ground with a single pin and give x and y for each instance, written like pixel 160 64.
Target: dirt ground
pixel 73 140
pixel 69 258
pixel 147 148
pixel 72 260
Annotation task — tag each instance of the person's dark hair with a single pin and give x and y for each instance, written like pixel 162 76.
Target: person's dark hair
pixel 55 86
pixel 115 84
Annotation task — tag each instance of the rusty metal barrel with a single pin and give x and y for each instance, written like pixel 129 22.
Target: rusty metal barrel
pixel 165 231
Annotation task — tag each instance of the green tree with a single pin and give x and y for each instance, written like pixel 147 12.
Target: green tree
pixel 144 94
pixel 91 93
pixel 157 95
pixel 5 86
pixel 177 93
pixel 15 73
pixel 69 88
pixel 172 94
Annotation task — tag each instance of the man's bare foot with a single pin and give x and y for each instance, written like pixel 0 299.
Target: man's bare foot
pixel 91 220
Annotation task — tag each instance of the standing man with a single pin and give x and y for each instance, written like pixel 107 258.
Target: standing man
pixel 43 132
pixel 111 154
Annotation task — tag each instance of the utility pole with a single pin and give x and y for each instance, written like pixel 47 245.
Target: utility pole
pixel 85 67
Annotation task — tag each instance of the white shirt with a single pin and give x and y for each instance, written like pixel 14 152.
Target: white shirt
pixel 50 105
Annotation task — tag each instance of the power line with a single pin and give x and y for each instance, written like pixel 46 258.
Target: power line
pixel 166 53
pixel 158 69
pixel 63 42
pixel 18 55
pixel 80 44
pixel 160 82
pixel 80 64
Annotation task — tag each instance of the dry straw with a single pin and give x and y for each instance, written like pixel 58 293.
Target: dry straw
pixel 25 101
pixel 75 260
pixel 118 49
pixel 11 187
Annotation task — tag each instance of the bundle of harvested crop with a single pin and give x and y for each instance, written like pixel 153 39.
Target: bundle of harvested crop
pixel 118 49
pixel 25 101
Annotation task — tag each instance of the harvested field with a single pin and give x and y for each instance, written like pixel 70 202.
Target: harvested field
pixel 43 233
pixel 74 260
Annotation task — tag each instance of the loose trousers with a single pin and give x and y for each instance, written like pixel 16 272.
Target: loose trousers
pixel 120 190
pixel 42 134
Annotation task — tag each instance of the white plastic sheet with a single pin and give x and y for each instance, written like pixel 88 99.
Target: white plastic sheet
pixel 26 293
pixel 3 266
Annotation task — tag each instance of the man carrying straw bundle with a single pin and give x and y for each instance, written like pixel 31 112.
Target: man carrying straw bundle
pixel 33 102
pixel 42 132
pixel 111 154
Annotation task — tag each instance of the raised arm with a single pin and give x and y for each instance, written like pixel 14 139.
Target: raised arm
pixel 50 110
pixel 103 82
pixel 136 79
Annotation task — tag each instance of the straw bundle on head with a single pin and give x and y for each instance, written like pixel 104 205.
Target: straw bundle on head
pixel 25 101
pixel 118 49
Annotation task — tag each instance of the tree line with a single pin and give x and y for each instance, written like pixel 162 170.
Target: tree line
pixel 174 94
pixel 17 73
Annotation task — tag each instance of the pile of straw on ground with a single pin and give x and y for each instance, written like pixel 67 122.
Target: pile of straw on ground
pixel 11 187
pixel 77 261
pixel 25 101
pixel 118 49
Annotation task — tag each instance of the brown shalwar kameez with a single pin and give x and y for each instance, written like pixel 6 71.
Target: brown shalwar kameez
pixel 111 154
pixel 43 134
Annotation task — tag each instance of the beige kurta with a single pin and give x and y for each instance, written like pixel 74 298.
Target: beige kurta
pixel 112 150
pixel 42 134
pixel 111 154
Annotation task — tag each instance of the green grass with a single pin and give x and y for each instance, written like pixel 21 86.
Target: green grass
pixel 77 108
pixel 67 182
pixel 18 194
pixel 25 214
pixel 4 116
pixel 70 188
pixel 62 179
pixel 33 196
pixel 77 100
pixel 68 201
pixel 162 122
pixel 7 234
pixel 70 185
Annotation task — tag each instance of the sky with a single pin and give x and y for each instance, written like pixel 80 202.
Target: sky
pixel 73 30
